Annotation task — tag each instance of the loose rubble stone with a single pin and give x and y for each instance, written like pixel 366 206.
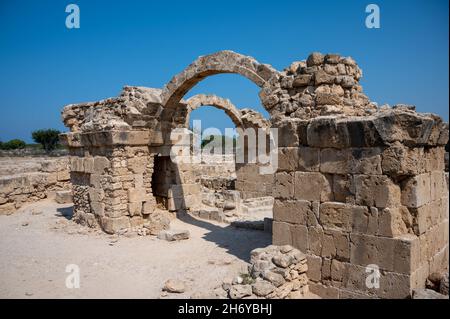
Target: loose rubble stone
pixel 268 280
pixel 240 291
pixel 262 288
pixel 63 197
pixel 173 235
pixel 174 286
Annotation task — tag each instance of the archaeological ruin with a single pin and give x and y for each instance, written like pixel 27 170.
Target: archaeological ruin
pixel 356 185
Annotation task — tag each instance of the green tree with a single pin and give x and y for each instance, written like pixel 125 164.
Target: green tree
pixel 12 144
pixel 47 138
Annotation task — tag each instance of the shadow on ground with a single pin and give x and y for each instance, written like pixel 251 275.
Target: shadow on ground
pixel 238 241
pixel 66 212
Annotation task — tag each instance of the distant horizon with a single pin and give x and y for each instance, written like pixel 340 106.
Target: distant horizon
pixel 46 66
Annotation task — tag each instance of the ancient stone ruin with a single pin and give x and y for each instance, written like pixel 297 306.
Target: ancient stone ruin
pixel 357 185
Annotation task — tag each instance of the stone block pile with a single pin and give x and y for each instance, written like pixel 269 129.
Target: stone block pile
pixel 275 272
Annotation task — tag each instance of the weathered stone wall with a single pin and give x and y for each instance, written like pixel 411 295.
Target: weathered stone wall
pixel 355 191
pixel 112 180
pixel 29 179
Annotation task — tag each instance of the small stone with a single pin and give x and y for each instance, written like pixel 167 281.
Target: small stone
pixel 229 205
pixel 63 197
pixel 174 286
pixel 173 235
pixel 25 223
pixel 36 212
pixel 286 248
pixel 315 58
pixel 282 260
pixel 262 288
pixel 240 291
pixel 276 279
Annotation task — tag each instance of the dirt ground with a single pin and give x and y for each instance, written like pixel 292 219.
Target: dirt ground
pixel 39 241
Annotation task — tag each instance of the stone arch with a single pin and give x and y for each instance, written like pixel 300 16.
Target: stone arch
pixel 216 63
pixel 199 100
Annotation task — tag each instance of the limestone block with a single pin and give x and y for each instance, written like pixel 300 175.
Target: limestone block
pixel 288 159
pixel 302 80
pixel 342 188
pixel 299 235
pixel 315 240
pixel 88 165
pixel 135 209
pixel 400 254
pixel 346 217
pixel 308 159
pixel 328 99
pixel 96 194
pixel 400 160
pixel 288 134
pixel 173 235
pixel 136 195
pixel 321 77
pixel 392 285
pixel 336 245
pixel 284 185
pixel 291 211
pixel 439 262
pixel 101 163
pixel 334 161
pixel 355 160
pixel 326 132
pixel 314 272
pixel 136 221
pixel 138 164
pixel 438 185
pixel 408 127
pixel 325 292
pixel 376 190
pixel 394 221
pixel 315 58
pixel 76 164
pixel 63 197
pixel 427 216
pixel 312 186
pixel 113 225
pixel 63 176
pixel 97 208
pixel 281 233
pixel 337 271
pixel 416 190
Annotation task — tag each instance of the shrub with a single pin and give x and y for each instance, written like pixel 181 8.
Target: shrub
pixel 13 144
pixel 47 138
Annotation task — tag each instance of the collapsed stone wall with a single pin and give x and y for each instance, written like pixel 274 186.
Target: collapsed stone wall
pixel 25 180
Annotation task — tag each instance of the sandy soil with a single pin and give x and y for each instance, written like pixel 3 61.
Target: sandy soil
pixel 40 240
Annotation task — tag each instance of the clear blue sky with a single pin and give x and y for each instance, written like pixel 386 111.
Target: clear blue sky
pixel 44 65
